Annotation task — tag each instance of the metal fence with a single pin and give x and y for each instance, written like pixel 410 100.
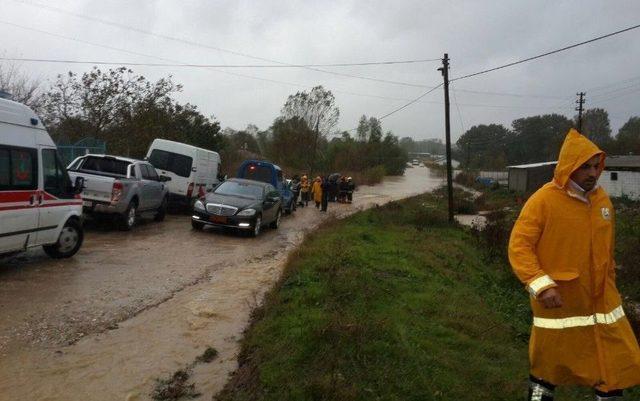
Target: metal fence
pixel 81 148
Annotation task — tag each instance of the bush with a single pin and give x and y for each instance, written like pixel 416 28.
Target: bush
pixel 370 176
pixel 466 178
pixel 494 237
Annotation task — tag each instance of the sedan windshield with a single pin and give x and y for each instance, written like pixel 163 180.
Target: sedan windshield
pixel 242 190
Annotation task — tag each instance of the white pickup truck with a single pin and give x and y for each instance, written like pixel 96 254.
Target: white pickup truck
pixel 121 186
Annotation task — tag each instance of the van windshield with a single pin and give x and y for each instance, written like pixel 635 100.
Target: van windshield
pixel 257 173
pixel 173 162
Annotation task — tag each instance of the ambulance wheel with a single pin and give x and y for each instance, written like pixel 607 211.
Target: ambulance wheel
pixel 69 241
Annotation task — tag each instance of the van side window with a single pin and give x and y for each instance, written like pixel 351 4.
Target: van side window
pixel 56 180
pixel 169 161
pixel 18 168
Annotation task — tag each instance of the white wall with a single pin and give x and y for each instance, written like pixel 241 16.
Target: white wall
pixel 628 183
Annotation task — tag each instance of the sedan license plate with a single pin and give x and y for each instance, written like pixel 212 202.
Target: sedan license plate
pixel 218 219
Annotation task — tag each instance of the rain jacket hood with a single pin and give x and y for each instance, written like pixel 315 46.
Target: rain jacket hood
pixel 575 151
pixel 566 241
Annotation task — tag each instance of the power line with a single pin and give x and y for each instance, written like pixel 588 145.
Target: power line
pixel 410 103
pixel 129 63
pixel 547 53
pixel 207 46
pixel 178 63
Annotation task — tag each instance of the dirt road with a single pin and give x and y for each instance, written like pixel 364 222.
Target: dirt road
pixel 133 307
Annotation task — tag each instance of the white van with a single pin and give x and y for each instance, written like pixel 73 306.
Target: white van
pixel 193 171
pixel 38 203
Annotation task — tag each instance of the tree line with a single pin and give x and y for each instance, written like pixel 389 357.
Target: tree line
pixel 128 111
pixel 538 139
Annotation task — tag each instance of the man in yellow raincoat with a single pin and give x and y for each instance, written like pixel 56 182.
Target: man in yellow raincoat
pixel 562 248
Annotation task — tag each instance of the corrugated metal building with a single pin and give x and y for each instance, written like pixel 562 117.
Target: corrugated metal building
pixel 527 178
pixel 621 176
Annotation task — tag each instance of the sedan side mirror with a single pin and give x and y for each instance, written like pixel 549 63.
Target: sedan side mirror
pixel 79 185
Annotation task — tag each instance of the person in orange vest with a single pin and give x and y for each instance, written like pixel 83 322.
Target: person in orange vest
pixel 561 248
pixel 305 188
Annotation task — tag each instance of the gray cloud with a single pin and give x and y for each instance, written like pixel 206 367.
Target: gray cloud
pixel 476 34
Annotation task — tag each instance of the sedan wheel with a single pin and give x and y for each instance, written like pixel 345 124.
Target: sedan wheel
pixel 256 227
pixel 276 222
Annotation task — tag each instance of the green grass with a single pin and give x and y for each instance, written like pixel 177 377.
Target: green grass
pixel 389 304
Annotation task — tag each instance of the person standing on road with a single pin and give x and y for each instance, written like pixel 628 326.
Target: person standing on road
pixel 295 188
pixel 316 191
pixel 561 248
pixel 343 189
pixel 305 188
pixel 326 193
pixel 351 186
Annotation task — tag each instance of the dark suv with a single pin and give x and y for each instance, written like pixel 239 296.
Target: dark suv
pixel 238 203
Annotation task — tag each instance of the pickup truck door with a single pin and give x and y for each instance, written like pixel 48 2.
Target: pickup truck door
pixel 152 188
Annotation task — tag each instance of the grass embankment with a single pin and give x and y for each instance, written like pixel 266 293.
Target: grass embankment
pixel 381 307
pixel 389 304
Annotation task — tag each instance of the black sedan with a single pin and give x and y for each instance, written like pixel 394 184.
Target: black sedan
pixel 237 203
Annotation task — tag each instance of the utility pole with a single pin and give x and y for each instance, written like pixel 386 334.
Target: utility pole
pixel 447 124
pixel 580 102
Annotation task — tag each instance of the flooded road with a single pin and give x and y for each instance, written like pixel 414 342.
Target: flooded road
pixel 133 307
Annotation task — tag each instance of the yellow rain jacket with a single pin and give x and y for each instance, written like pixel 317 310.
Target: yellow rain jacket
pixel 564 240
pixel 316 189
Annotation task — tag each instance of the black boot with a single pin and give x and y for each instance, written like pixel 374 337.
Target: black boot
pixel 539 390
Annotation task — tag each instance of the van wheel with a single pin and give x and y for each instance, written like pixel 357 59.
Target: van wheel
pixel 162 211
pixel 276 223
pixel 128 219
pixel 69 241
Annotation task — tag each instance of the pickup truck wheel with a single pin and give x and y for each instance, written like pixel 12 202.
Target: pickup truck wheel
pixel 276 223
pixel 128 219
pixel 256 228
pixel 196 225
pixel 69 241
pixel 162 211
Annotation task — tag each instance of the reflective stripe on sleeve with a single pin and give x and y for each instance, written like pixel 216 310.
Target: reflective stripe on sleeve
pixel 580 321
pixel 541 282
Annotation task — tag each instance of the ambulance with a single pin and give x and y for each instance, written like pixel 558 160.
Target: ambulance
pixel 39 206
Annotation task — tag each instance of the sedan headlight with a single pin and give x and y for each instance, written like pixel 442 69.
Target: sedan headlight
pixel 247 212
pixel 198 205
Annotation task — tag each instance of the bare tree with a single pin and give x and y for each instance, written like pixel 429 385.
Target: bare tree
pixel 20 86
pixel 318 110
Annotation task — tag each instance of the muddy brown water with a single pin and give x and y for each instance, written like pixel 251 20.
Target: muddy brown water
pixel 133 307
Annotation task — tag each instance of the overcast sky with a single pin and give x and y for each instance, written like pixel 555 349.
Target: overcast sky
pixel 476 34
